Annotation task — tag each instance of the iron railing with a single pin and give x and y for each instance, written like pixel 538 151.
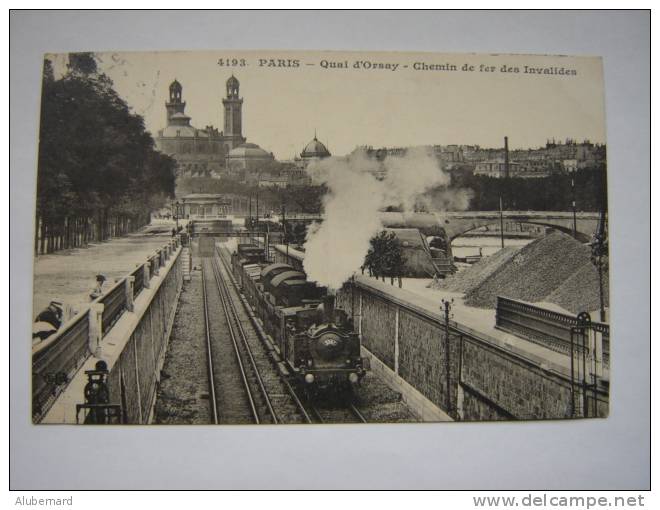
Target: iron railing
pixel 545 327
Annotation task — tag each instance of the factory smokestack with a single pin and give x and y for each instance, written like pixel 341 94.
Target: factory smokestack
pixel 506 157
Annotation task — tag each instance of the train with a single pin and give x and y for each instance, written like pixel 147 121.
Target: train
pixel 313 339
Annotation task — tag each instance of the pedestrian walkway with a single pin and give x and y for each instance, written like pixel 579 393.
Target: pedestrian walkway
pixel 69 275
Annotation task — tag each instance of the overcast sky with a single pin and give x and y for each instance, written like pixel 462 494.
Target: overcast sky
pixel 378 107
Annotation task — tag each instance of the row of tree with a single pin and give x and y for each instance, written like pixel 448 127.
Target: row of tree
pixel 99 174
pixel 294 199
pixel 553 193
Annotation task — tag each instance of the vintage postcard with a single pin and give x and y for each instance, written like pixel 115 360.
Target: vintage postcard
pixel 228 237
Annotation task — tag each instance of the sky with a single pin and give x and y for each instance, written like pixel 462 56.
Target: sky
pixel 349 107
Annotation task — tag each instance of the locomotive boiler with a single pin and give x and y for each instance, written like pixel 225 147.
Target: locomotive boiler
pixel 313 339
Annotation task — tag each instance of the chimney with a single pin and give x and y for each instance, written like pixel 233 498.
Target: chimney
pixel 329 308
pixel 506 157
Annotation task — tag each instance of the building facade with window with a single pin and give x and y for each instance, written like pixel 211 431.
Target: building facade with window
pixel 201 152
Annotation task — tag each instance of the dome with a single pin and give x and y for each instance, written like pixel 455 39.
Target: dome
pixel 315 149
pixel 249 151
pixel 175 85
pixel 232 82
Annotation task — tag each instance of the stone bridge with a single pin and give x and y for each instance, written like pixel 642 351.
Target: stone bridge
pixel 456 224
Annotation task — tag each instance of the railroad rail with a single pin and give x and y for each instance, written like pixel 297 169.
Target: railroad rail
pixel 209 356
pixel 232 395
pixel 343 412
pixel 278 388
pixel 242 348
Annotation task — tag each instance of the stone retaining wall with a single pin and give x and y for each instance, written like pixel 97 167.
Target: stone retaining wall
pixel 488 379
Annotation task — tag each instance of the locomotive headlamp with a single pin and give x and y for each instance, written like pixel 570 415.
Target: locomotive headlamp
pixel 353 377
pixel 309 378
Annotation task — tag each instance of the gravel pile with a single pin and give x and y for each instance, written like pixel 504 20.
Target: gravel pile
pixel 580 291
pixel 535 272
pixel 475 275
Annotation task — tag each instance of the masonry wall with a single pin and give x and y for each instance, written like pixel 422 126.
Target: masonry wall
pixel 133 379
pixel 487 380
pixel 133 349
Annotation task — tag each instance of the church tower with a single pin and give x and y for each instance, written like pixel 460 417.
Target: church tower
pixel 233 105
pixel 175 105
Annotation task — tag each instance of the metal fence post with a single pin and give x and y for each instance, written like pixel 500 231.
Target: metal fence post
pixel 129 283
pixel 95 327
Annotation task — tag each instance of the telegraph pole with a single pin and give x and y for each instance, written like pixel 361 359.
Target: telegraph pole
pixel 447 309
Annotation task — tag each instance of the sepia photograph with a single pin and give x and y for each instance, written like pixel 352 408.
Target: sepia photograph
pixel 306 237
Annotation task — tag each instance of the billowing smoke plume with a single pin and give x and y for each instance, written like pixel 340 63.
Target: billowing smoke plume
pixel 336 248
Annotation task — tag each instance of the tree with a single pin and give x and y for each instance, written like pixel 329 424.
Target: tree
pixel 99 174
pixel 385 257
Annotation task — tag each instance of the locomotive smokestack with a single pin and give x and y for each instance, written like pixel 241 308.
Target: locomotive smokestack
pixel 329 308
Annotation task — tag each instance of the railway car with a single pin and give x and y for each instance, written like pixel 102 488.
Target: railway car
pixel 313 338
pixel 208 226
pixel 246 255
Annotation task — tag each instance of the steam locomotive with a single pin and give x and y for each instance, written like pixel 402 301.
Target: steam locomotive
pixel 314 339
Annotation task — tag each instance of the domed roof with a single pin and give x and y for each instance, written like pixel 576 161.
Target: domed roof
pixel 315 149
pixel 232 82
pixel 175 85
pixel 249 150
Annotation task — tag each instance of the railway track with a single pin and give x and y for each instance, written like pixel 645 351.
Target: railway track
pixel 275 401
pixel 266 395
pixel 230 395
pixel 345 412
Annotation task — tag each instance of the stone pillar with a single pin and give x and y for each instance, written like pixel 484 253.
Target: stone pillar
pixel 95 328
pixel 147 274
pixel 129 284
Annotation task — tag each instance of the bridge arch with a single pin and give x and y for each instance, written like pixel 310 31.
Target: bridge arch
pixel 456 233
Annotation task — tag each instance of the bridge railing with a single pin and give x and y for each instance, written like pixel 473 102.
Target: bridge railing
pixel 545 327
pixel 56 359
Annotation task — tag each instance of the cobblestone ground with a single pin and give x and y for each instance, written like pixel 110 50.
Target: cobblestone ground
pixel 69 275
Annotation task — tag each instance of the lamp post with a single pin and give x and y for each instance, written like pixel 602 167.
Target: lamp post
pixel 177 211
pixel 598 252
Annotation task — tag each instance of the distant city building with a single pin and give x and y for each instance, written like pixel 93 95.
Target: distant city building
pixel 497 169
pixel 247 158
pixel 523 163
pixel 212 205
pixel 314 151
pixel 200 152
